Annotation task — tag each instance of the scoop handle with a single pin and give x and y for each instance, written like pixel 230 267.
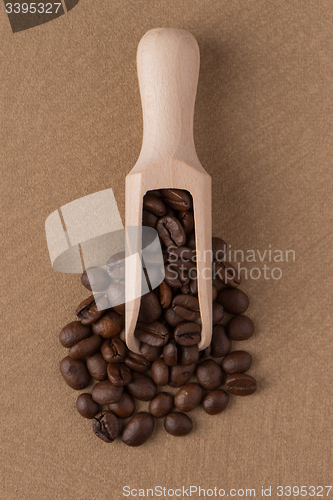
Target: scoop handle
pixel 168 63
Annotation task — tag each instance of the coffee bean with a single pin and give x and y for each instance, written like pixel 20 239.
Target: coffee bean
pixel 188 354
pixel 171 231
pixel 160 372
pixel 142 387
pixel 233 300
pixel 154 334
pixel 214 293
pixel 73 333
pixel 150 309
pixel 86 347
pixel 106 426
pixel 75 373
pixel 189 397
pixel 119 374
pixel 149 219
pixel 164 294
pixel 240 384
pixel 87 311
pixel 176 199
pixel 219 248
pixel 187 220
pixel 97 366
pixel 186 306
pixel 218 313
pixel 137 362
pixel 221 343
pixel 204 354
pixel 151 353
pixel 139 429
pixel 215 401
pixel 116 295
pixel 190 241
pixel 123 408
pixel 154 205
pixel 109 325
pixel 95 279
pixel 227 274
pixel 240 328
pixel 113 350
pixel 122 336
pixel 178 424
pixel 105 392
pixel 175 279
pixel 180 375
pixel 161 405
pixel 209 374
pixel 86 406
pixel 116 267
pixel 182 254
pixel 236 362
pixel 187 333
pixel 170 353
pixel 193 286
pixel 171 317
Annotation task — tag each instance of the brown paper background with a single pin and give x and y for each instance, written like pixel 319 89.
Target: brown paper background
pixel 71 125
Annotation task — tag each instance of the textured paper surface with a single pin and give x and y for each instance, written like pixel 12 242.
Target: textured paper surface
pixel 71 126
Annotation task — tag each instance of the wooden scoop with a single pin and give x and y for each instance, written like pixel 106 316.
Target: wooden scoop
pixel 168 68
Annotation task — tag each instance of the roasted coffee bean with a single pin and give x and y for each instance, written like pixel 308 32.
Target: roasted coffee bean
pixel 116 295
pixel 178 424
pixel 95 279
pixel 137 362
pixel 221 343
pixel 116 267
pixel 189 397
pixel 190 241
pixel 86 406
pixel 86 347
pixel 160 372
pixel 150 309
pixel 171 317
pixel 150 352
pixel 227 274
pixel 87 311
pixel 209 374
pixel 219 248
pixel 106 426
pixel 187 333
pixel 218 313
pixel 73 333
pixel 154 205
pixel 193 286
pixel 171 231
pixel 233 300
pixel 177 199
pixel 119 374
pixel 105 392
pixel 214 293
pixel 236 362
pixel 97 366
pixel 170 353
pixel 142 387
pixel 123 408
pixel 204 354
pixel 186 306
pixel 188 354
pixel 185 290
pixel 138 429
pixel 161 405
pixel 164 294
pixel 155 192
pixel 113 350
pixel 215 401
pixel 185 269
pixel 149 219
pixel 75 373
pixel 240 384
pixel 240 328
pixel 109 325
pixel 175 279
pixel 182 254
pixel 187 220
pixel 180 375
pixel 154 334
pixel 122 336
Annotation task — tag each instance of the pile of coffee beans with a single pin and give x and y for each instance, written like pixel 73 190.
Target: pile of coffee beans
pixel 170 372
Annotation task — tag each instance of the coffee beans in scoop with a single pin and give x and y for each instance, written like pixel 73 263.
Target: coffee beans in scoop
pixel 170 375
